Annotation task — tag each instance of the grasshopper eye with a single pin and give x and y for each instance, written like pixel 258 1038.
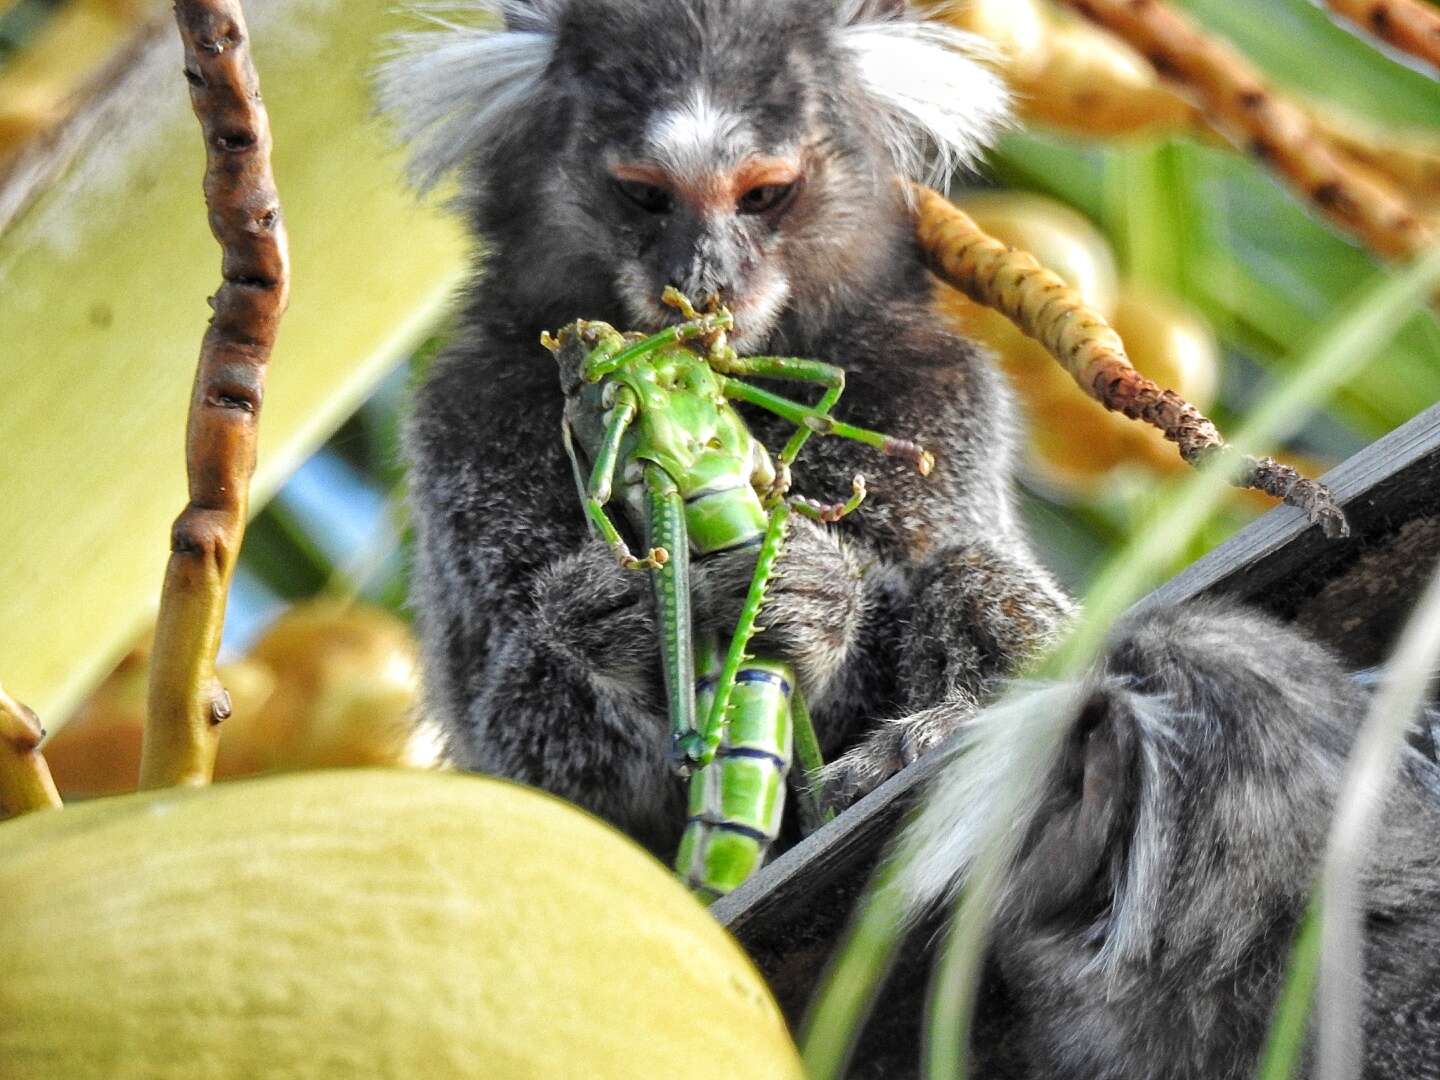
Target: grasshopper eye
pixel 764 198
pixel 648 197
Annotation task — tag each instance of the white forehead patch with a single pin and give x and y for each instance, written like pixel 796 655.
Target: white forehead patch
pixel 697 138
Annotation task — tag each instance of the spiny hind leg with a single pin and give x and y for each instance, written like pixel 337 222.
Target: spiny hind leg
pixel 665 513
pixel 745 628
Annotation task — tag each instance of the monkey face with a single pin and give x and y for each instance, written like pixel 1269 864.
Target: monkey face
pixel 700 164
pixel 714 228
pixel 711 155
pixel 745 149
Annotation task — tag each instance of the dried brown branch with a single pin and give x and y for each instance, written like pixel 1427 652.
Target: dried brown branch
pixel 1244 108
pixel 1408 25
pixel 186 701
pixel 25 782
pixel 1069 73
pixel 1037 301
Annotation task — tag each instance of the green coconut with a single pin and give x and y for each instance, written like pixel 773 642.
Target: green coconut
pixel 362 924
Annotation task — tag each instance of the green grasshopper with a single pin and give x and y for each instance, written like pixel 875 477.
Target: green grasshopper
pixel 655 414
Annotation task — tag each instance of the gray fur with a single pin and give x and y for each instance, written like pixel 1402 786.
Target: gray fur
pixel 542 660
pixel 456 89
pixel 1158 865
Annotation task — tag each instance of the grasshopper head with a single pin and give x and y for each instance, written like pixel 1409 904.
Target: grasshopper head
pixel 572 347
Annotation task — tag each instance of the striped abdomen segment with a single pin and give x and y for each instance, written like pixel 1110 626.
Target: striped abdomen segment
pixel 738 800
pixel 724 516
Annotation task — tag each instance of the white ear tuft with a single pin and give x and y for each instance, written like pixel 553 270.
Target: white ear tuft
pixel 457 88
pixel 941 105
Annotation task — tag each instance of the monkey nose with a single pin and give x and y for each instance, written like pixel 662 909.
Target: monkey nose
pixel 694 281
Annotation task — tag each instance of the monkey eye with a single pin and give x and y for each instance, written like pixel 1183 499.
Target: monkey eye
pixel 648 197
pixel 764 198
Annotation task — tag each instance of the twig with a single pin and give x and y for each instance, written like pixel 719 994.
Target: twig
pixel 1038 302
pixel 25 782
pixel 187 701
pixel 1408 25
pixel 1240 104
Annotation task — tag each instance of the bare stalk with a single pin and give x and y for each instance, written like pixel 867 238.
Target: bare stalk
pixel 1408 25
pixel 1244 108
pixel 187 701
pixel 1038 302
pixel 25 782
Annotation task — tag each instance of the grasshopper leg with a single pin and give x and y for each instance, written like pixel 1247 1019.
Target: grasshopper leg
pixel 813 813
pixel 745 629
pixel 711 324
pixel 567 436
pixel 602 481
pixel 665 510
pixel 829 513
pixel 796 370
pixel 816 421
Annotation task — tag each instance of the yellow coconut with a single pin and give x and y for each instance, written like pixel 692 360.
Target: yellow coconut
pixel 361 923
pixel 329 685
pixel 1017 29
pixel 345 682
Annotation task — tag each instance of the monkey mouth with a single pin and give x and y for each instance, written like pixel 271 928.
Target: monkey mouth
pixel 756 310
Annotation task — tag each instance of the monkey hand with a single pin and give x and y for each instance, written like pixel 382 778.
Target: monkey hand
pixel 598 616
pixel 814 605
pixel 893 745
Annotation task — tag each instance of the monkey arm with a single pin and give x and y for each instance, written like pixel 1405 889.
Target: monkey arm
pixel 541 662
pixel 981 610
pixel 965 603
pixel 535 718
pixel 977 613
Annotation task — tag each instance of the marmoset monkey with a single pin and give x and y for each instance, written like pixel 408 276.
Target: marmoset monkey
pixel 1147 919
pixel 750 150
